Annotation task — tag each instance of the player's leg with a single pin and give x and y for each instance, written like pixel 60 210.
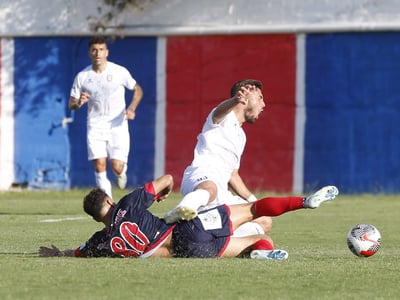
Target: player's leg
pixel 198 191
pixel 259 246
pixel 119 168
pixel 102 181
pixel 259 225
pixel 275 206
pixel 203 193
pixel 97 153
pixel 118 149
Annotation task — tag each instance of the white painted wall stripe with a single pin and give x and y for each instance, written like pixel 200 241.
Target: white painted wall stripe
pixel 7 114
pixel 300 118
pixel 159 162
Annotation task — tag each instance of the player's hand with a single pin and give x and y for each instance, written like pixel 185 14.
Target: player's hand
pixel 130 114
pixel 84 98
pixel 244 93
pixel 48 252
pixel 163 195
pixel 162 198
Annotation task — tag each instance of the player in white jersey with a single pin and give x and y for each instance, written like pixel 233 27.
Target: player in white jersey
pixel 215 168
pixel 102 86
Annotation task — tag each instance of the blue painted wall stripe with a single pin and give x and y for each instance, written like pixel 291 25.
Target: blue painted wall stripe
pixel 44 71
pixel 353 109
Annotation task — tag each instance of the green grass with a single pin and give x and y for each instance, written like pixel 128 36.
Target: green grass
pixel 319 266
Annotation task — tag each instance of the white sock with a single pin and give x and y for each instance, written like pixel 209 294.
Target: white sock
pixel 249 228
pixel 103 182
pixel 195 199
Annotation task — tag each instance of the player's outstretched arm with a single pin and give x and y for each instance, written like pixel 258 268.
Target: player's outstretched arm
pixel 54 251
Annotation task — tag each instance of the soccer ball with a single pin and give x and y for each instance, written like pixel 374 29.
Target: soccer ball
pixel 364 240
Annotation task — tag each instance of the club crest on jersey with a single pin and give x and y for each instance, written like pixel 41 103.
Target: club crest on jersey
pixel 109 77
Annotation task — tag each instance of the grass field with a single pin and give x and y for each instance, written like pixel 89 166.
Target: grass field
pixel 319 266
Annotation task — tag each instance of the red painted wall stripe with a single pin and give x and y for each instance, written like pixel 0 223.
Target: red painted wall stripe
pixel 200 72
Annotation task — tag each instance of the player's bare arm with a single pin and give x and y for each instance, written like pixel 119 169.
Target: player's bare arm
pixel 223 109
pixel 137 97
pixel 237 185
pixel 163 187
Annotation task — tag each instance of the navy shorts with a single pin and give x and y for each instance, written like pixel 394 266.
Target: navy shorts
pixel 205 236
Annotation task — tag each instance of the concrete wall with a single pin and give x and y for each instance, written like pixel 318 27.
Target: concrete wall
pixel 171 17
pixel 332 95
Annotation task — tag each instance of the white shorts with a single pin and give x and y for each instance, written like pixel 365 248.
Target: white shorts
pixel 111 143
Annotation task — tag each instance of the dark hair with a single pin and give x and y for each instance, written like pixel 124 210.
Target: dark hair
pixel 97 40
pixel 241 83
pixel 93 203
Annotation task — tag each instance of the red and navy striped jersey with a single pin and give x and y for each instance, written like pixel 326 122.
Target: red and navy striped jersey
pixel 134 231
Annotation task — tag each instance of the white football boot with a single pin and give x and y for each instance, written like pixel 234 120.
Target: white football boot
pixel 182 213
pixel 274 254
pixel 327 193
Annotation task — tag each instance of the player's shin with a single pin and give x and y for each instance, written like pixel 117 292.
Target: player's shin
pixel 275 206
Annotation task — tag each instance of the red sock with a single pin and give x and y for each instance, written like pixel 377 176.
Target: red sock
pixel 275 206
pixel 262 245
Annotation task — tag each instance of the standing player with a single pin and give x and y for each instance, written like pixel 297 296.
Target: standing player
pixel 102 86
pixel 217 155
pixel 132 231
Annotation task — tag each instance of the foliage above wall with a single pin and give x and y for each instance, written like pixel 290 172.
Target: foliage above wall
pixel 112 9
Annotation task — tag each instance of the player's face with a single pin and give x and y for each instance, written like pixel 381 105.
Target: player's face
pixel 98 53
pixel 255 106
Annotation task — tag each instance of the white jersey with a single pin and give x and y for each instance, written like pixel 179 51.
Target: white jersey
pixel 217 154
pixel 220 146
pixel 107 93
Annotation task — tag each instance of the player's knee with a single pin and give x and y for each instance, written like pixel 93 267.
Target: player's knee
pixel 265 223
pixel 100 165
pixel 117 167
pixel 210 187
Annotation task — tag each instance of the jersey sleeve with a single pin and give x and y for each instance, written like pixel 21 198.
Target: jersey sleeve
pixel 142 197
pixel 76 89
pixel 96 246
pixel 129 81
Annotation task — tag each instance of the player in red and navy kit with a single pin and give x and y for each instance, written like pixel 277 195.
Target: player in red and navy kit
pixel 132 231
pixel 136 232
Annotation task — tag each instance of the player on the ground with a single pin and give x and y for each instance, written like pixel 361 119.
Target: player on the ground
pixel 132 231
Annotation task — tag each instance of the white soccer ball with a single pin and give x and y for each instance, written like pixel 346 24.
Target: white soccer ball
pixel 364 240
